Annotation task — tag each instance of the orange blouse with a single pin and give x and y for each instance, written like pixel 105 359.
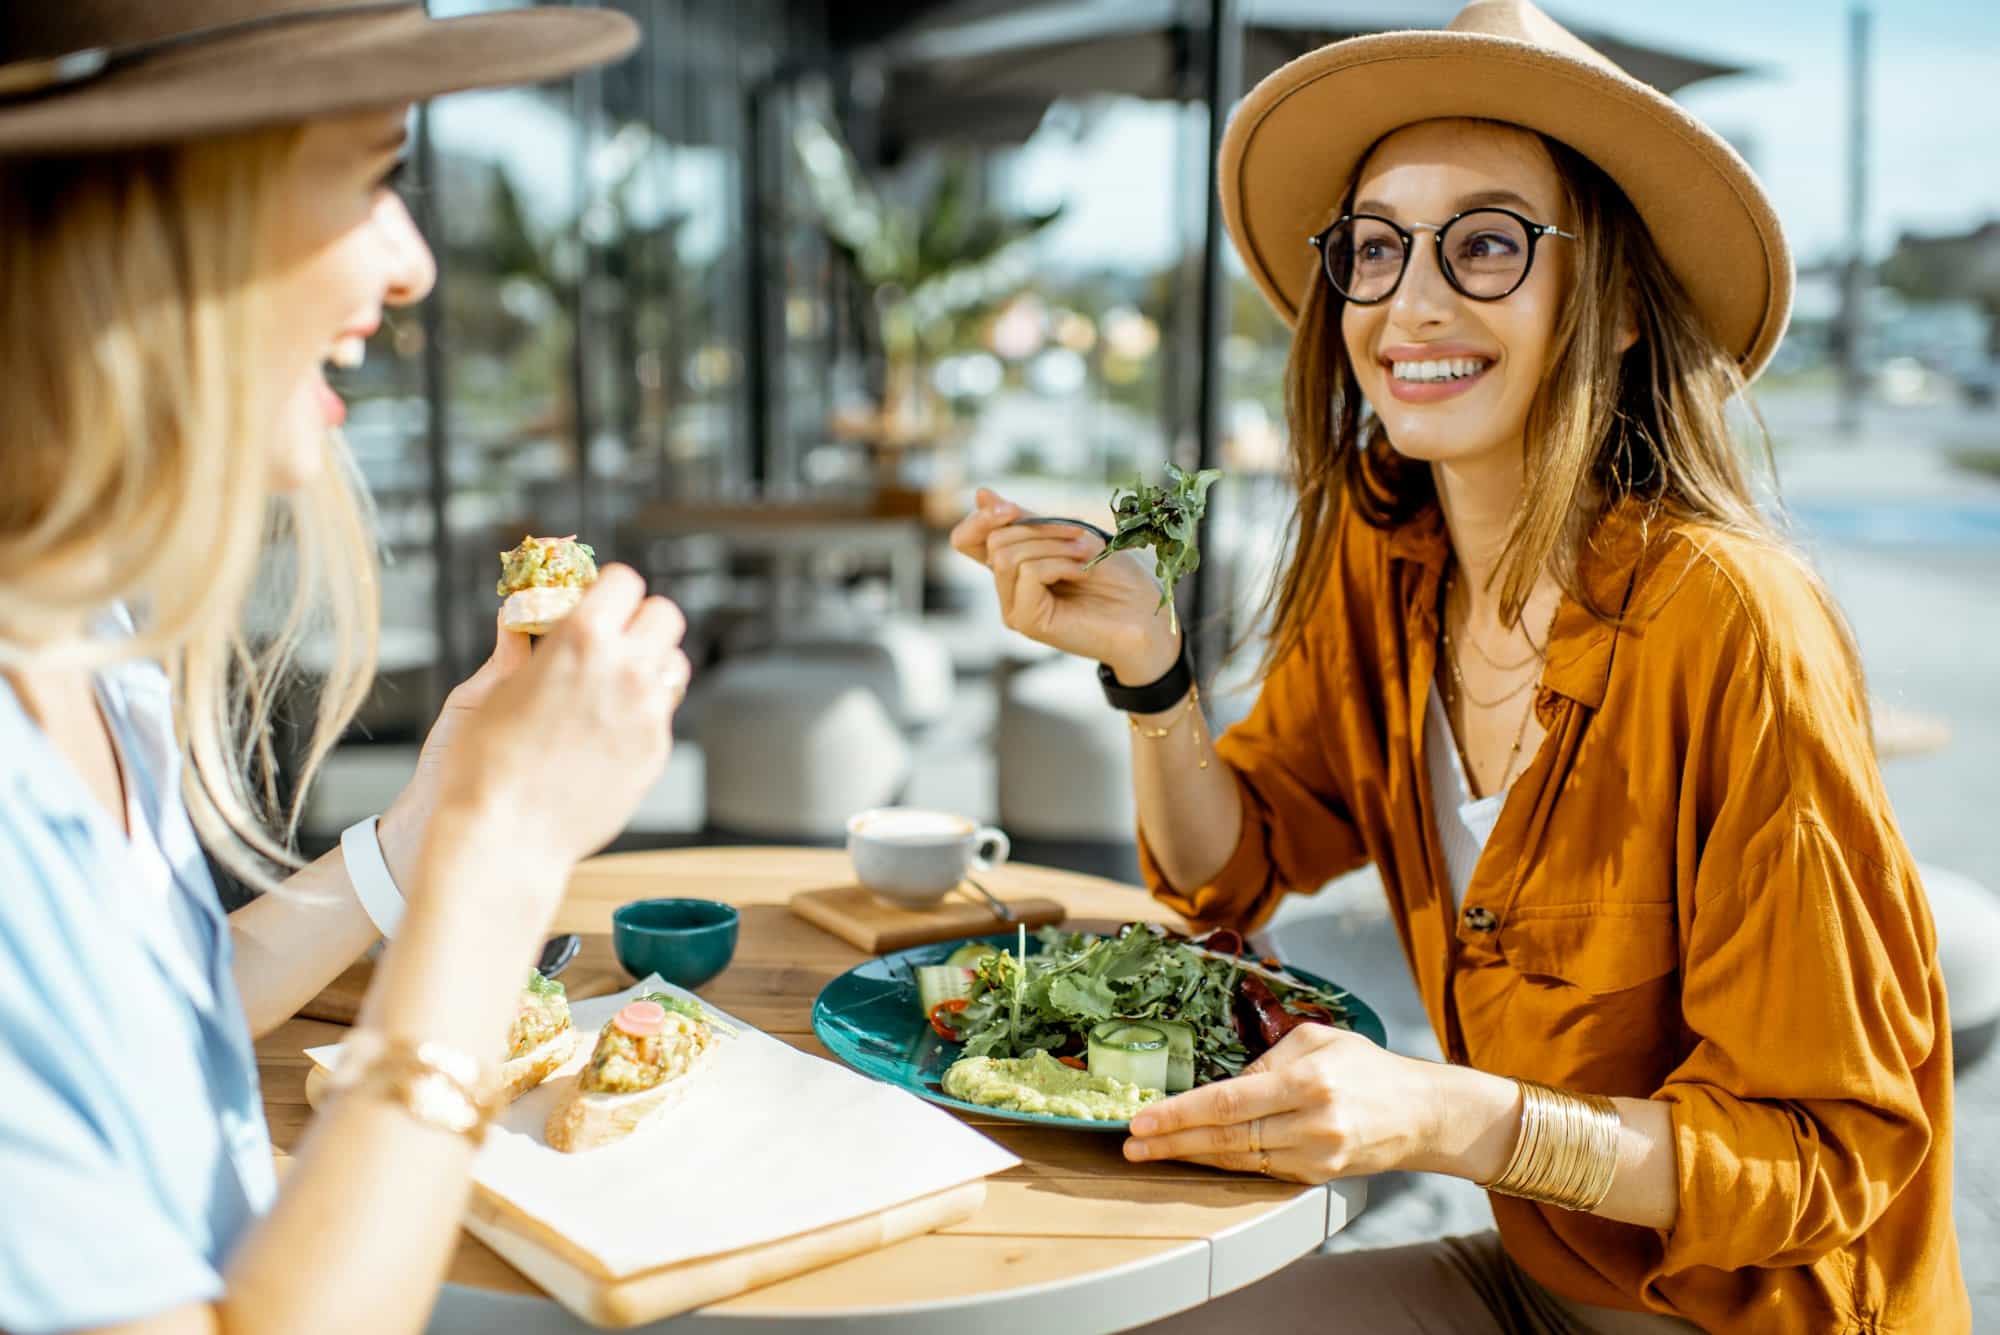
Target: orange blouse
pixel 1695 893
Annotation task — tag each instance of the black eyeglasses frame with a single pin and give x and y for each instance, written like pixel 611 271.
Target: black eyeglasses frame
pixel 1536 231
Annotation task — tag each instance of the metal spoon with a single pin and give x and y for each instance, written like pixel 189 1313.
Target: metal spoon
pixel 1074 523
pixel 994 902
pixel 557 952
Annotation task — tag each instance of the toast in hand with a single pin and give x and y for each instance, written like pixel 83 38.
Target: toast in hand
pixel 542 581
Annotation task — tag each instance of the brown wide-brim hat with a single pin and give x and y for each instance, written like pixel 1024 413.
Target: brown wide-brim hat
pixel 91 75
pixel 1299 136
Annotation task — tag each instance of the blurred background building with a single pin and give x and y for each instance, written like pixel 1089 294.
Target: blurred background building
pixel 757 309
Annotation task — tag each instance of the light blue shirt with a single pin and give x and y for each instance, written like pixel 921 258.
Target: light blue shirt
pixel 133 1150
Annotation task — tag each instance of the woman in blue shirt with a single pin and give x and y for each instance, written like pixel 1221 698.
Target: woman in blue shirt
pixel 195 213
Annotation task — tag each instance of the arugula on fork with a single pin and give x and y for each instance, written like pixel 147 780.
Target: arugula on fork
pixel 1167 519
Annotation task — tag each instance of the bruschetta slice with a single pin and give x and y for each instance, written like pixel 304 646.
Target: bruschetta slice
pixel 639 1067
pixel 542 581
pixel 541 1038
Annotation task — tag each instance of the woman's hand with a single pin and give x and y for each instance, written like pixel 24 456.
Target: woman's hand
pixel 1112 614
pixel 1327 1103
pixel 559 748
pixel 402 826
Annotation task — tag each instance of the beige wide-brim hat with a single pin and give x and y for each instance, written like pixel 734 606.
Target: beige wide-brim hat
pixel 1300 134
pixel 90 75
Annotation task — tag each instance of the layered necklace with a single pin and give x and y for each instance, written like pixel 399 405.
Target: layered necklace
pixel 1460 697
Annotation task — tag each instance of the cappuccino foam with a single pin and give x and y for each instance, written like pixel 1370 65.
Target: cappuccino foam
pixel 913 827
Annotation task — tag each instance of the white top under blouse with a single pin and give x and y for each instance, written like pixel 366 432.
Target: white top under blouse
pixel 1465 822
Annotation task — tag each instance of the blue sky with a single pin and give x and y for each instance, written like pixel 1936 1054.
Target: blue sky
pixel 1935 131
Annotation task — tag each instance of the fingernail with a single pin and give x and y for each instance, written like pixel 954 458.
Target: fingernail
pixel 1135 1149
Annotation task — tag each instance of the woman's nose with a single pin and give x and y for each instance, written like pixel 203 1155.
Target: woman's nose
pixel 413 269
pixel 1423 296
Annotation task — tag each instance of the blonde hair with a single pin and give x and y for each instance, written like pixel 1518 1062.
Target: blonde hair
pixel 134 467
pixel 1648 423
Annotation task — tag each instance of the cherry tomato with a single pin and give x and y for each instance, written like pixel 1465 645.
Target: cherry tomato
pixel 938 1012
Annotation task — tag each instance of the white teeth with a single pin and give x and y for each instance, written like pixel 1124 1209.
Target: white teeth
pixel 349 353
pixel 1451 368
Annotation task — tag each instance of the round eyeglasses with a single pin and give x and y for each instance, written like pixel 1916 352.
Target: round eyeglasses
pixel 1483 253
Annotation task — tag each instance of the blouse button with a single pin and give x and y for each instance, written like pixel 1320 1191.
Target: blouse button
pixel 1480 919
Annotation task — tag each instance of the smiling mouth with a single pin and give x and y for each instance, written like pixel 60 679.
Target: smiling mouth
pixel 1438 370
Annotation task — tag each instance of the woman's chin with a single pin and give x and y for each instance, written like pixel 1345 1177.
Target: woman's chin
pixel 298 452
pixel 1435 438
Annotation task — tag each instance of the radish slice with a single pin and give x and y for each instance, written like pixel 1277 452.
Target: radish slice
pixel 642 1019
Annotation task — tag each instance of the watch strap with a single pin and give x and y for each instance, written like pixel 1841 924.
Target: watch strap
pixel 368 870
pixel 1155 697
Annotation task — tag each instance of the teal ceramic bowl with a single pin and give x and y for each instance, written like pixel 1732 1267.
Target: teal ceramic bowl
pixel 685 941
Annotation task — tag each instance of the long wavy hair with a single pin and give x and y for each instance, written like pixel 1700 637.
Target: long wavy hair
pixel 133 468
pixel 1649 423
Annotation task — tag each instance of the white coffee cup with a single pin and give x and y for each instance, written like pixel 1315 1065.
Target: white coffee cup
pixel 914 857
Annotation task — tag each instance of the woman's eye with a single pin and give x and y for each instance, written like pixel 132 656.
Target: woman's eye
pixel 1489 245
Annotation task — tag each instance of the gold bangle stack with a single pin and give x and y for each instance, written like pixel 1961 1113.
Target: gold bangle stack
pixel 1192 706
pixel 1567 1151
pixel 438 1085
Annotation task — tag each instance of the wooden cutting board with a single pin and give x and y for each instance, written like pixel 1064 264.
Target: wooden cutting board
pixel 579 1283
pixel 593 973
pixel 878 927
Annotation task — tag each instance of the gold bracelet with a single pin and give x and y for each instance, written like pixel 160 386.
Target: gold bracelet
pixel 1192 706
pixel 1566 1152
pixel 438 1085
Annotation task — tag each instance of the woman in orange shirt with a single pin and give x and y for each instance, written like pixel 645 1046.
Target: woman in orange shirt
pixel 1538 656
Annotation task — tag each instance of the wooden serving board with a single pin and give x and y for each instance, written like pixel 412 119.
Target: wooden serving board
pixel 878 927
pixel 580 1284
pixel 593 973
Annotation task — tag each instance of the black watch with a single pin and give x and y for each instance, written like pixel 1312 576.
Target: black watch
pixel 1155 697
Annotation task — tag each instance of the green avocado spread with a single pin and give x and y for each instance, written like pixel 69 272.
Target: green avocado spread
pixel 1038 1083
pixel 547 563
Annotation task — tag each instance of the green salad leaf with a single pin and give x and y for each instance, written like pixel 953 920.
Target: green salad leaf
pixel 1080 980
pixel 1167 519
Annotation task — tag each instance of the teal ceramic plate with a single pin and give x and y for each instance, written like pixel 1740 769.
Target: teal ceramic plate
pixel 868 1018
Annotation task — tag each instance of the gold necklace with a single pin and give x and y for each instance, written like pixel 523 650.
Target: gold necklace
pixel 1536 652
pixel 1458 682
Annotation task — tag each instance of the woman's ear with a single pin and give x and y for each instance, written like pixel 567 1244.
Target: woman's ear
pixel 1628 321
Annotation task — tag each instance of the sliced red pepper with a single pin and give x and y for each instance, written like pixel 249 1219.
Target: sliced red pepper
pixel 1077 1062
pixel 955 1005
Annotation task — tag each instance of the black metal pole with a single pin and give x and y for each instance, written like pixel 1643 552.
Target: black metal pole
pixel 757 377
pixel 584 97
pixel 437 427
pixel 1854 278
pixel 1208 614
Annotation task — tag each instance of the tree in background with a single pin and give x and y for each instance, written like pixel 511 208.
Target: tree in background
pixel 928 272
pixel 1964 267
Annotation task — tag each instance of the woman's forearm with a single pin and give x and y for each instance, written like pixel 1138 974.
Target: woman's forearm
pixel 289 946
pixel 369 1214
pixel 1480 1115
pixel 1191 816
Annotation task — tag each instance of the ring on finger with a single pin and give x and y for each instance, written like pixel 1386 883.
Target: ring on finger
pixel 1263 1164
pixel 1257 1136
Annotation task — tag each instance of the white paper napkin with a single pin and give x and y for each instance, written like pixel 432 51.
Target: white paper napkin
pixel 768 1142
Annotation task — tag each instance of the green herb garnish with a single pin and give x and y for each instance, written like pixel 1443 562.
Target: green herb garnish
pixel 682 1006
pixel 1167 519
pixel 543 987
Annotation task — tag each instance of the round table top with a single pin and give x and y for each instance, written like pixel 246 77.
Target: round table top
pixel 1073 1239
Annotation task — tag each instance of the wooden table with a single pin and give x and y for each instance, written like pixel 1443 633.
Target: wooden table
pixel 1075 1239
